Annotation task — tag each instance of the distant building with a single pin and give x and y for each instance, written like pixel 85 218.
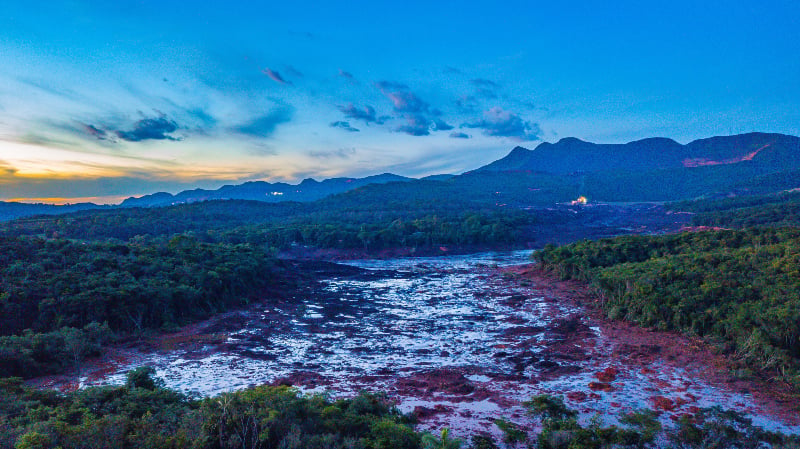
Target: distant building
pixel 580 201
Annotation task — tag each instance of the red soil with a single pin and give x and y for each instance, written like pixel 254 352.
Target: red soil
pixel 639 347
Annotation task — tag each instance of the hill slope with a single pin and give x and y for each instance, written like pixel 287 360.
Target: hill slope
pixel 571 155
pixel 308 190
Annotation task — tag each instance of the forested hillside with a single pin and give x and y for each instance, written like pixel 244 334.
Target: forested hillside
pixel 61 300
pixel 336 223
pixel 739 289
pixel 781 209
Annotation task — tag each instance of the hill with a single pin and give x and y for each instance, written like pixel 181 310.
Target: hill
pixel 10 210
pixel 307 190
pixel 648 170
pixel 571 155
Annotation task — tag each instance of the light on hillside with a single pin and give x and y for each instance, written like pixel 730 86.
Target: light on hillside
pixel 580 201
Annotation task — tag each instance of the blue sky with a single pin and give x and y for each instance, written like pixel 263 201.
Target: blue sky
pixel 104 100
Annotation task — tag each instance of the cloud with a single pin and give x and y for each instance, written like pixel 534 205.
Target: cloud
pixel 97 133
pixel 293 72
pixel 345 126
pixel 415 110
pixel 157 128
pixel 265 125
pixel 484 83
pixel 451 70
pixel 43 137
pixel 367 113
pixel 390 85
pixel 441 125
pixel 416 126
pixel 458 135
pixel 501 123
pixel 341 153
pixel 486 93
pixel 348 76
pixel 204 117
pixel 405 101
pixel 6 170
pixel 274 75
pixel 467 103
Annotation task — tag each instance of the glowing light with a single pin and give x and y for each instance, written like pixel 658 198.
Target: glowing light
pixel 580 201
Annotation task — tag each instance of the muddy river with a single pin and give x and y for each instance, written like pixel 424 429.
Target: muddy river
pixel 460 340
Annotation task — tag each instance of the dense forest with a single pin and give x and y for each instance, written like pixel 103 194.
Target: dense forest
pixel 367 226
pixel 740 289
pixel 781 209
pixel 143 414
pixel 60 300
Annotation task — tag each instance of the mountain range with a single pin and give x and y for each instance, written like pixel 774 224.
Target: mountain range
pixel 653 169
pixel 571 155
pixel 307 190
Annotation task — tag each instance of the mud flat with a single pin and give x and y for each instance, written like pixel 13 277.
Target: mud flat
pixel 457 340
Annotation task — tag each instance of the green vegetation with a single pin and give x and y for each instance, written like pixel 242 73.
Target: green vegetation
pixel 372 225
pixel 60 300
pixel 739 289
pixel 745 211
pixel 143 414
pixel 711 428
pixel 560 428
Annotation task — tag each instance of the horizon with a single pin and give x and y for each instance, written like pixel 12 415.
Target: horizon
pixel 101 101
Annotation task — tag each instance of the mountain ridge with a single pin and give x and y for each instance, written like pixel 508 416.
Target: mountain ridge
pixel 552 172
pixel 308 189
pixel 572 155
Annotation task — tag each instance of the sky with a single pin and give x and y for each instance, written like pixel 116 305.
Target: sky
pixel 104 100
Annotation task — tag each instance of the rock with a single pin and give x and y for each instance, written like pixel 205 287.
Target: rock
pixel 577 396
pixel 607 375
pixel 422 413
pixel 662 403
pixel 601 386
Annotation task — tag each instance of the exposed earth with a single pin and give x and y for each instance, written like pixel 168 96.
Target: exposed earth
pixel 457 340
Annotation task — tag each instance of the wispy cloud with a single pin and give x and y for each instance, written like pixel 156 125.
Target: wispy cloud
pixel 459 135
pixel 158 128
pixel 367 113
pixel 341 153
pixel 482 82
pixel 390 85
pixel 265 125
pixel 6 170
pixel 344 125
pixel 405 101
pixel 292 71
pixel 205 118
pixel 348 76
pixel 498 122
pixel 414 109
pixel 466 104
pixel 486 93
pixel 97 133
pixel 275 76
pixel 415 126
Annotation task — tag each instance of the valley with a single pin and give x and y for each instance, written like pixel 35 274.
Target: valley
pixel 606 295
pixel 458 341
